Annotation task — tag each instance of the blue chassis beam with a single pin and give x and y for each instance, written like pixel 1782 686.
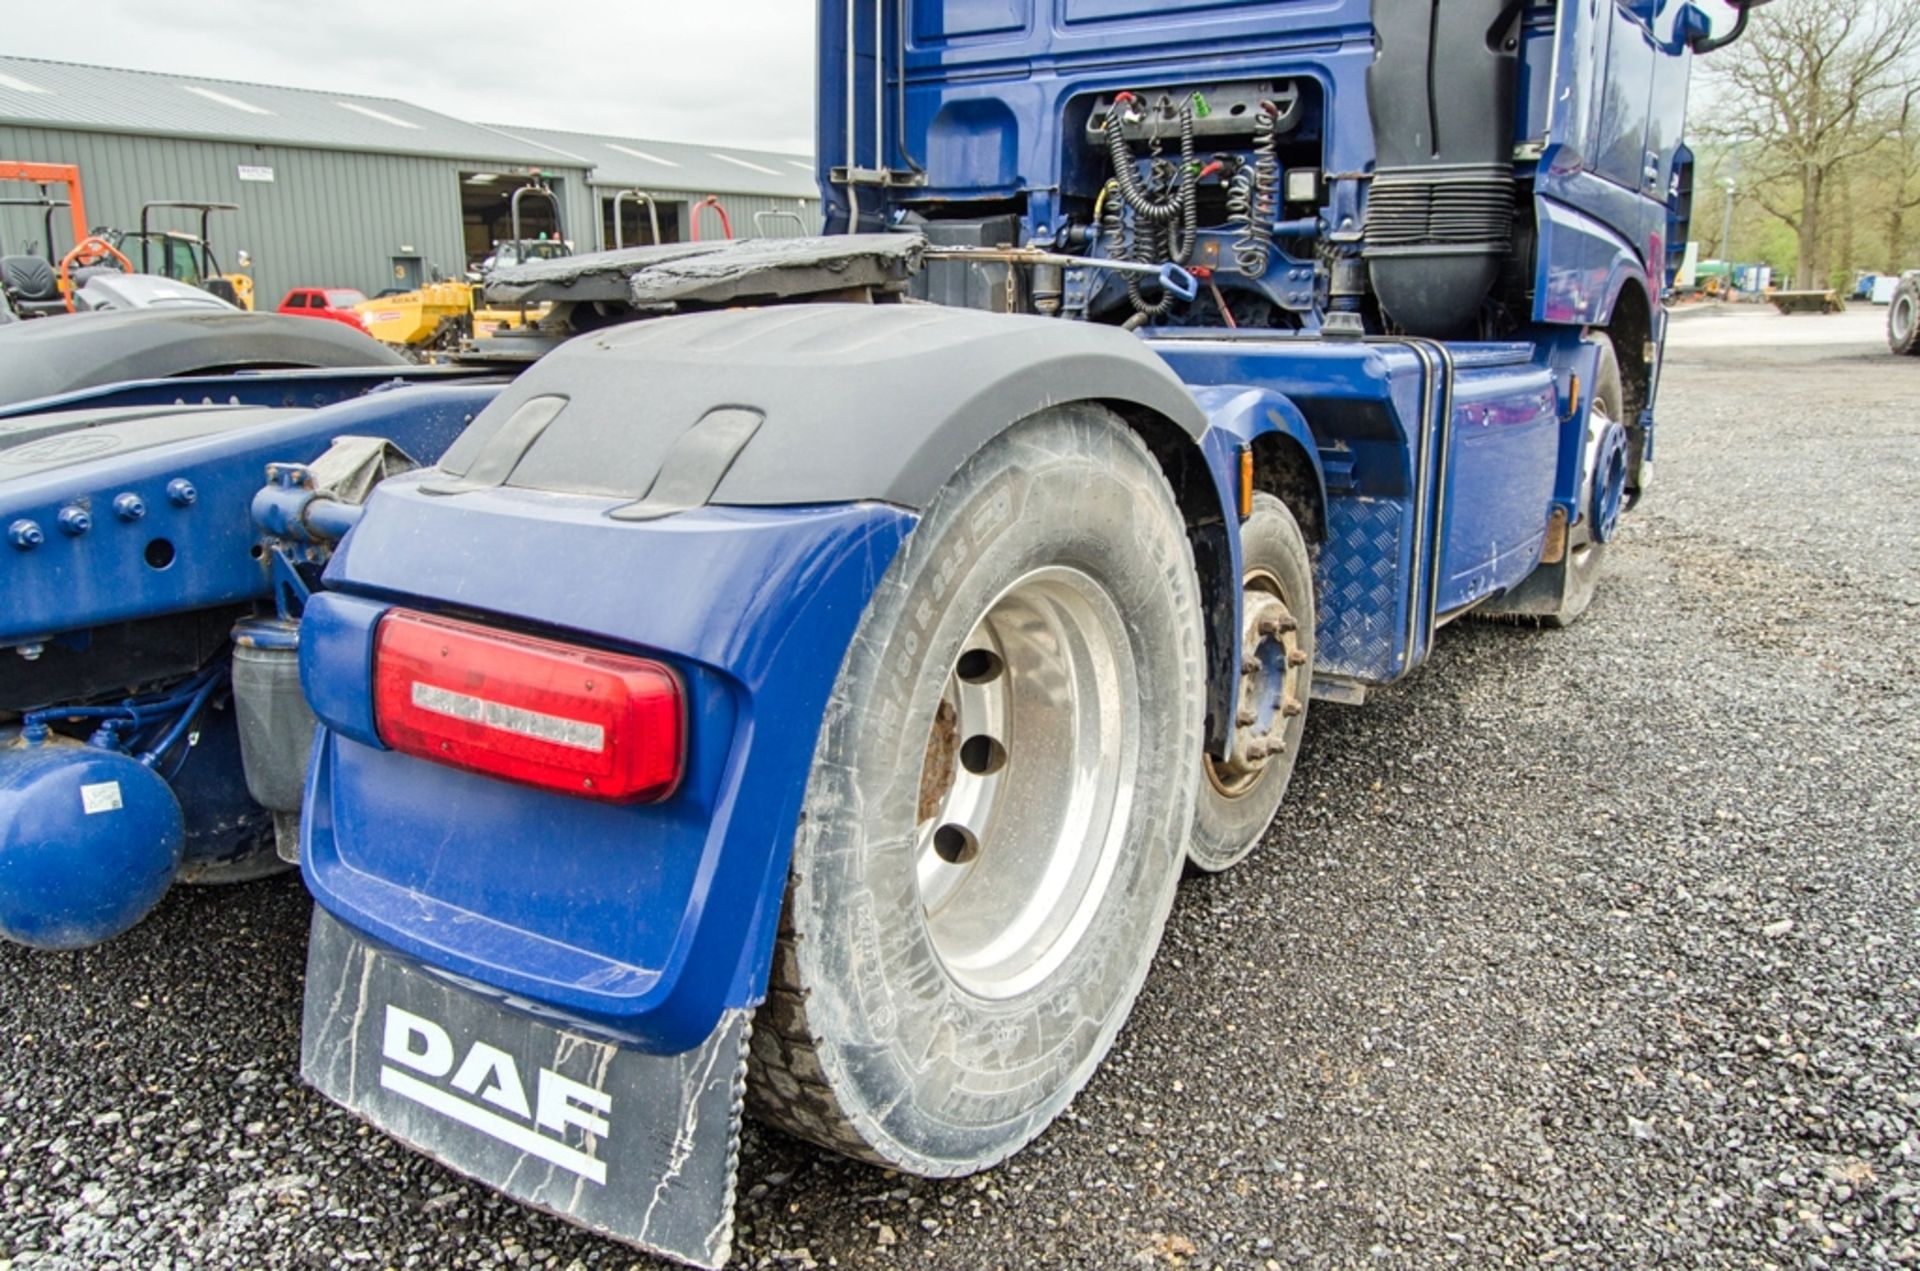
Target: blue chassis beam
pixel 194 496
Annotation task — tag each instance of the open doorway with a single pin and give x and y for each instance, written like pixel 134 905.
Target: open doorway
pixel 485 213
pixel 635 225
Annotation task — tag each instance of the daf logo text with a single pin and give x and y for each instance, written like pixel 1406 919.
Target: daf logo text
pixel 485 1092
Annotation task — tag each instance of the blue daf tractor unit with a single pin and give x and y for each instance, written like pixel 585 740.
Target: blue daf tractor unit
pixel 806 698
pixel 151 724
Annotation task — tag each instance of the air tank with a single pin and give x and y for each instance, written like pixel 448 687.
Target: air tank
pixel 90 840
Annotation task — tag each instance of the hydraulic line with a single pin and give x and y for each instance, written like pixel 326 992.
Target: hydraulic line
pixel 900 89
pixel 726 222
pixel 152 756
pixel 1254 199
pixel 173 710
pixel 879 84
pixel 134 712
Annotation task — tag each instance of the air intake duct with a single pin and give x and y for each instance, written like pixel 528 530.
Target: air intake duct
pixel 1440 209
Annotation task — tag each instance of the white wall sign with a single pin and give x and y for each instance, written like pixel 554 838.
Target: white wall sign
pixel 251 172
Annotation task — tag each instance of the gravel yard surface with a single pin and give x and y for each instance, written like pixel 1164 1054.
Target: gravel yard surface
pixel 1592 948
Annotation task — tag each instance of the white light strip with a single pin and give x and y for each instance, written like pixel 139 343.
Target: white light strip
pixel 371 113
pixel 641 154
pixel 20 85
pixel 225 100
pixel 741 163
pixel 556 729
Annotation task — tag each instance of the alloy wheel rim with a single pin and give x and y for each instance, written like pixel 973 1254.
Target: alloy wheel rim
pixel 1027 790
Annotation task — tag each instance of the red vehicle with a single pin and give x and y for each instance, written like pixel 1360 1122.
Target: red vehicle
pixel 333 303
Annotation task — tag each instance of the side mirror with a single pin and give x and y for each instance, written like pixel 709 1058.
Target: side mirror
pixel 1698 28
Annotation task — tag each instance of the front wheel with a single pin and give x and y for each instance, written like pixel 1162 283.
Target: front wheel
pixel 1000 797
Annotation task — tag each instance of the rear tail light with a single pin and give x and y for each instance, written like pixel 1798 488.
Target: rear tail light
pixel 578 721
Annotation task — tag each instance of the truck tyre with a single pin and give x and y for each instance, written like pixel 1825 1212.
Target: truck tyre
pixel 996 816
pixel 1903 317
pixel 1239 794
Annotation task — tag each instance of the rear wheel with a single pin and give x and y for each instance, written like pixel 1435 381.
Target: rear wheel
pixel 1903 317
pixel 1240 792
pixel 1000 797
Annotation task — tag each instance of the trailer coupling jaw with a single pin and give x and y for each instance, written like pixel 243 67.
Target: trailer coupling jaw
pixel 639 1147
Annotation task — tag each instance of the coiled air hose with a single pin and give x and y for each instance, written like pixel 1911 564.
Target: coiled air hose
pixel 1166 217
pixel 1253 201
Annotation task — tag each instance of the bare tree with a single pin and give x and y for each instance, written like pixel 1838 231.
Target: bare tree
pixel 1815 85
pixel 1902 171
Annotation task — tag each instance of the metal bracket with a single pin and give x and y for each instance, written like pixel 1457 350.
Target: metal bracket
pixel 1555 549
pixel 889 178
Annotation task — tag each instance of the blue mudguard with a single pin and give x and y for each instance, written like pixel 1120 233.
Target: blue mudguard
pixel 642 923
pixel 634 939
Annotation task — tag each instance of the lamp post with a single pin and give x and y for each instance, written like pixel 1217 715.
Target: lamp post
pixel 1726 228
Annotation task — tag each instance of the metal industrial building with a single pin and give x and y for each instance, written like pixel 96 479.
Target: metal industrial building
pixel 367 192
pixel 765 194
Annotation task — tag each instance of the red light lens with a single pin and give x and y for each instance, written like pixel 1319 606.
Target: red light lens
pixel 577 721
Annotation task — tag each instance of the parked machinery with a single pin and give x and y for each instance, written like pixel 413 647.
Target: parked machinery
pixel 28 279
pixel 185 256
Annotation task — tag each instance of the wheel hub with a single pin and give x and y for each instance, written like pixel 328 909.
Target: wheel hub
pixel 1609 482
pixel 1027 786
pixel 1273 689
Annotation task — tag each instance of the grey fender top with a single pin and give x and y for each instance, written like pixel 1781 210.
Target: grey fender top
pixel 85 350
pixel 857 402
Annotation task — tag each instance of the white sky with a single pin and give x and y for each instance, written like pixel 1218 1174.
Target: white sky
pixel 728 72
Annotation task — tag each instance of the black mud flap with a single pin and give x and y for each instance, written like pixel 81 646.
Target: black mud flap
pixel 638 1147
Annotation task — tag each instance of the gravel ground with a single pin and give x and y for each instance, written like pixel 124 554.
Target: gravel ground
pixel 1597 947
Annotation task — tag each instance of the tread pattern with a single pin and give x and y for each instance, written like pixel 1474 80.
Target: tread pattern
pixel 786 1086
